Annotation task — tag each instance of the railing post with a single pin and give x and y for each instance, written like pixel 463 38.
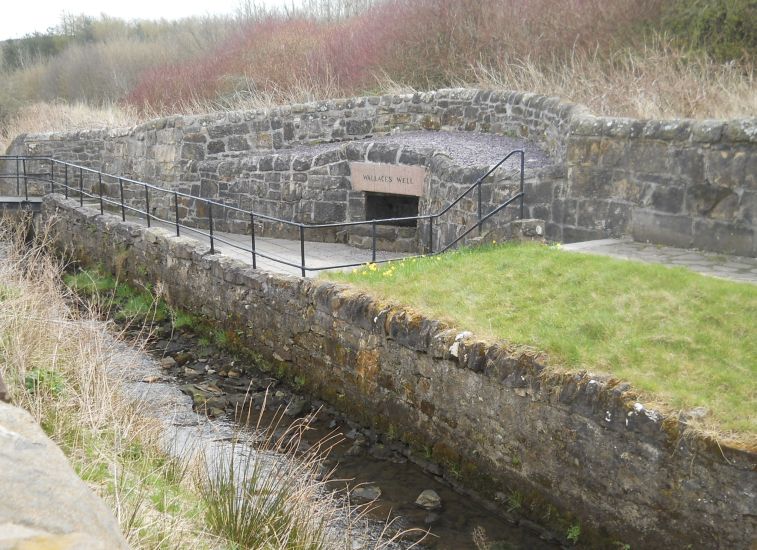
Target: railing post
pixel 480 210
pixel 18 177
pixel 210 220
pixel 302 249
pixel 123 206
pixel 52 176
pixel 522 170
pixel 65 180
pixel 100 188
pixel 81 187
pixel 176 210
pixel 431 234
pixel 252 228
pixel 26 182
pixel 373 242
pixel 147 204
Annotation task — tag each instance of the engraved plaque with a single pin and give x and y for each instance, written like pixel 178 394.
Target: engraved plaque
pixel 376 177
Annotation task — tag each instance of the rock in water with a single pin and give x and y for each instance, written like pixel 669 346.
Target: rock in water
pixel 296 406
pixel 366 492
pixel 429 500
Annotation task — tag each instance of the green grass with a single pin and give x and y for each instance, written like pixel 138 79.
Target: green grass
pixel 127 303
pixel 681 339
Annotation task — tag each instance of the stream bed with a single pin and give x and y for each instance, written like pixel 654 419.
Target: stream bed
pixel 201 389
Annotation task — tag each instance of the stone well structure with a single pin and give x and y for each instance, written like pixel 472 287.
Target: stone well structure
pixel 683 183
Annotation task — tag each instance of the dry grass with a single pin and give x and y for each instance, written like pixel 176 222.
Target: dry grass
pixel 54 360
pixel 278 495
pixel 66 117
pixel 656 81
pixel 612 55
pixel 60 362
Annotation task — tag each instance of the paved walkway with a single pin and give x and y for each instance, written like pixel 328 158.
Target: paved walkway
pixel 317 254
pixel 736 268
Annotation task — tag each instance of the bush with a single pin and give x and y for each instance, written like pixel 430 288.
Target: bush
pixel 726 29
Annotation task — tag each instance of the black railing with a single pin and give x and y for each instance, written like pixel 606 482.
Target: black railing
pixel 23 177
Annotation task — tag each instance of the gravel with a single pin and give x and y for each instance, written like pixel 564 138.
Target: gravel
pixel 465 148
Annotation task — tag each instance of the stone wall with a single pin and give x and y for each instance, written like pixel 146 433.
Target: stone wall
pixel 577 448
pixel 312 186
pixel 682 183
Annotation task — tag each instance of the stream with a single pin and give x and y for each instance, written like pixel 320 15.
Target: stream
pixel 195 389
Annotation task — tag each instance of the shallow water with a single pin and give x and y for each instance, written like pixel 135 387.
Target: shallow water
pixel 400 480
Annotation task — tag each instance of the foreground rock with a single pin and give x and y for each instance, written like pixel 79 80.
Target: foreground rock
pixel 44 503
pixel 429 500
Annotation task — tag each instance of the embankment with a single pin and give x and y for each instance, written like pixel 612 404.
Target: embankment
pixel 575 448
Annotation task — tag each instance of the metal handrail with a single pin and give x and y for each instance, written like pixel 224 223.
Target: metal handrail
pixel 49 177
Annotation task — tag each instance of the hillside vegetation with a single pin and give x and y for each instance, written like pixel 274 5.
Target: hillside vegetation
pixel 650 58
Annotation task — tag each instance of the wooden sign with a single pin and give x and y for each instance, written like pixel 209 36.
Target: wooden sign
pixel 375 177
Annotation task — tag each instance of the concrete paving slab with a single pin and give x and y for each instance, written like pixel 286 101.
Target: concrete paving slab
pixel 281 252
pixel 735 268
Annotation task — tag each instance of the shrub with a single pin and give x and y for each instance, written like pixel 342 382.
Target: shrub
pixel 726 29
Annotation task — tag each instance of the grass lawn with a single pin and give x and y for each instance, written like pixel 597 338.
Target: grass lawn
pixel 681 339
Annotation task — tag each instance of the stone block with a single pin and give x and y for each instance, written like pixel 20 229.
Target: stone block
pixel 413 157
pixel 741 130
pixel 327 212
pixel 266 164
pixel 727 167
pixel 238 143
pixel 665 198
pixel 264 141
pixel 725 238
pixel 628 189
pixel 327 157
pixel 748 207
pixel 611 218
pixel 565 211
pixel 711 201
pixel 194 137
pixel 707 131
pixel 590 182
pixel 341 168
pixel 660 228
pixel 288 131
pixel 300 164
pixel 669 130
pixel 218 131
pixel 688 163
pixel 359 127
pixel 539 191
pixel 354 151
pixel 192 151
pixel 383 152
pixel 579 234
pixel 282 163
